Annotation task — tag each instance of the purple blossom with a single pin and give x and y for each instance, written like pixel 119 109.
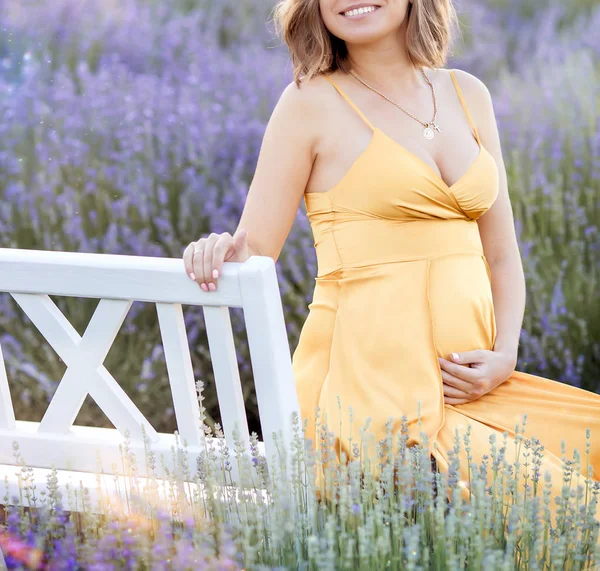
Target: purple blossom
pixel 133 130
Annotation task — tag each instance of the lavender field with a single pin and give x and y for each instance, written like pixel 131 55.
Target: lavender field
pixel 133 127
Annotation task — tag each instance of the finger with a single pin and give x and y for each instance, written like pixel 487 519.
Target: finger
pixel 240 235
pixel 188 254
pixel 241 243
pixel 464 386
pixel 454 401
pixel 197 260
pixel 451 392
pixel 472 391
pixel 223 248
pixel 461 371
pixel 207 261
pixel 466 357
pixel 464 372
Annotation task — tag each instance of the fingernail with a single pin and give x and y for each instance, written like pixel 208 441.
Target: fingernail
pixel 215 273
pixel 212 287
pixel 454 356
pixel 203 286
pixel 192 276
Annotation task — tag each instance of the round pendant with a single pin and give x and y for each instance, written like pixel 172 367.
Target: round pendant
pixel 428 133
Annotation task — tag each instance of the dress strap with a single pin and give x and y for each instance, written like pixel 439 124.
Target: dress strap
pixel 350 102
pixel 464 105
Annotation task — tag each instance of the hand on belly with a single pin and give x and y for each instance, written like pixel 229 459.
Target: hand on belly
pixel 473 374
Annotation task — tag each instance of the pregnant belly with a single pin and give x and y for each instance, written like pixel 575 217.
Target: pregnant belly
pixel 461 302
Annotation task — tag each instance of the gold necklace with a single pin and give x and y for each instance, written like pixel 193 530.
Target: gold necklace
pixel 428 131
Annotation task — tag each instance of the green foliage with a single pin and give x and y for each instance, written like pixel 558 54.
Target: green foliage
pixel 322 514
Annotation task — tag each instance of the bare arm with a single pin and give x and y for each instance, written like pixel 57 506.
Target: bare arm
pixel 497 228
pixel 284 165
pixel 283 169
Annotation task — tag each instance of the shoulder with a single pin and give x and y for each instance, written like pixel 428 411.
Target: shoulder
pixel 304 108
pixel 475 92
pixel 471 85
pixel 307 97
pixel 479 102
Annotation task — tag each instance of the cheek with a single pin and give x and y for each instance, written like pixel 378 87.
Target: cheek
pixel 329 17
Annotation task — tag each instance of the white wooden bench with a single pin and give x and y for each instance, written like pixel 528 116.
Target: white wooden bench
pixel 31 276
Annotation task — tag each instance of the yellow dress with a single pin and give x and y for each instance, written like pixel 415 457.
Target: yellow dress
pixel 402 279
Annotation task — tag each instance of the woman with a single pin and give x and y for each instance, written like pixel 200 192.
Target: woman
pixel 420 293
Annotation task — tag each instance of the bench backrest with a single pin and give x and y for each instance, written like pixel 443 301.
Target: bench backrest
pixel 31 276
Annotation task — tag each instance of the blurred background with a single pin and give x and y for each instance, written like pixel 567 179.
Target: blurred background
pixel 133 127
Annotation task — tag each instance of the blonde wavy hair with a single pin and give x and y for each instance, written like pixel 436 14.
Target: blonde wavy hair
pixel 314 49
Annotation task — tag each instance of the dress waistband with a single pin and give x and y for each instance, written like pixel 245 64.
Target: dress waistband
pixel 353 243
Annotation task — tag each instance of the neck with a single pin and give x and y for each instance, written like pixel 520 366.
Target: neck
pixel 385 64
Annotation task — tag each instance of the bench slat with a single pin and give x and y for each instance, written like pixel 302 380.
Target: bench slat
pixel 7 412
pixel 269 354
pixel 85 373
pixel 180 371
pixel 227 375
pixel 111 276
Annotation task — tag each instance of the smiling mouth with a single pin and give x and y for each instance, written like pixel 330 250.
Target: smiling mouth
pixel 362 11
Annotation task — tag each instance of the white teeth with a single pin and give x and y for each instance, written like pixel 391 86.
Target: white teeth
pixel 359 11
